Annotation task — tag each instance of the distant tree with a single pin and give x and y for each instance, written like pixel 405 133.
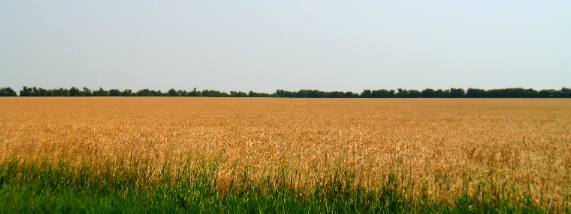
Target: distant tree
pixel 115 93
pixel 383 93
pixel 304 93
pixel 256 94
pixel 238 94
pixel 414 93
pixel 86 92
pixel 74 92
pixel 35 92
pixel 173 93
pixel 213 93
pixel 25 92
pixel 283 93
pixel 143 92
pixel 127 93
pixel 565 93
pixel 475 93
pixel 195 93
pixel 7 92
pixel 307 93
pixel 182 93
pixel 366 94
pixel 457 93
pixel 401 93
pixel 547 93
pixel 101 92
pixel 439 93
pixel 428 93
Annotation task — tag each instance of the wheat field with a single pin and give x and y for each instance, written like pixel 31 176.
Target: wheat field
pixel 445 145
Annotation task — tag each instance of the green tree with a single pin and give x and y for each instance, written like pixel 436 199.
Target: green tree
pixel 74 92
pixel 7 92
pixel 173 93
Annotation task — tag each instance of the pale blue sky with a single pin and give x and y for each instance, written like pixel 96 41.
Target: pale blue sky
pixel 264 45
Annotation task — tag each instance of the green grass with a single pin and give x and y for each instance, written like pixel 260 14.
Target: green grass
pixel 60 188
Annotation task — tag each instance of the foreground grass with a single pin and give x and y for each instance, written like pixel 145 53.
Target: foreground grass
pixel 59 188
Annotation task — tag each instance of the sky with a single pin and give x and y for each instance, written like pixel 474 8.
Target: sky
pixel 263 45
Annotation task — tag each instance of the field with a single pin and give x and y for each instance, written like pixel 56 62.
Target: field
pixel 306 155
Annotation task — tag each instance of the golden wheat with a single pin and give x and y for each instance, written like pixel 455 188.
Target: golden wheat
pixel 447 144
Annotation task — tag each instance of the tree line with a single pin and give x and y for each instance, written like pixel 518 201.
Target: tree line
pixel 382 93
pixel 7 92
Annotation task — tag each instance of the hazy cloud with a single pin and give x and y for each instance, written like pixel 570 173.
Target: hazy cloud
pixel 311 7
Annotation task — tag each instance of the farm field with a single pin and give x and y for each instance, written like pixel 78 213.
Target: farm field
pixel 427 154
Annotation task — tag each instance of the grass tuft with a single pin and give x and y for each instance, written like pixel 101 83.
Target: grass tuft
pixel 62 188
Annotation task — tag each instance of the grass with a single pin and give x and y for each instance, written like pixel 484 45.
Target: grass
pixel 62 188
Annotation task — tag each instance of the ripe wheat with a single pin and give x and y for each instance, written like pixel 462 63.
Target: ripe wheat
pixel 448 146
